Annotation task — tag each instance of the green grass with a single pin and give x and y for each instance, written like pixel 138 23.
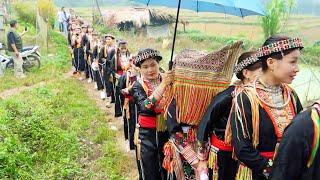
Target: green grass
pixel 40 128
pixel 34 146
pixel 52 66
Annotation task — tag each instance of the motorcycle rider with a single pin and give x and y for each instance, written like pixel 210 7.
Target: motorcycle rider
pixel 14 45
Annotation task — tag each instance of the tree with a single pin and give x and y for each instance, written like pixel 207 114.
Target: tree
pixel 277 15
pixel 47 11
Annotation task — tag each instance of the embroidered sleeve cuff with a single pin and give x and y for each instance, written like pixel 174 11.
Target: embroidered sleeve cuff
pixel 150 102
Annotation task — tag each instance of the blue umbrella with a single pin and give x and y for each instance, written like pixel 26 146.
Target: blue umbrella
pixel 239 8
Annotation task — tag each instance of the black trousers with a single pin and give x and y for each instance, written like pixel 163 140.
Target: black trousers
pixel 152 143
pixel 79 62
pixel 119 99
pixel 108 82
pixel 88 69
pixel 126 125
pixel 130 124
pixel 111 91
pixel 98 78
pixel 138 164
pixel 256 176
pixel 228 167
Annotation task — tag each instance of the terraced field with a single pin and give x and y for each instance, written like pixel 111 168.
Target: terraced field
pixel 226 26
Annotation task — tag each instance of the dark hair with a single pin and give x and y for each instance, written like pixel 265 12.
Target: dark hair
pixel 277 55
pixel 84 27
pixel 110 36
pixel 13 23
pixel 251 67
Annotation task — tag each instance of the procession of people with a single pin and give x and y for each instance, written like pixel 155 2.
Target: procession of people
pixel 195 121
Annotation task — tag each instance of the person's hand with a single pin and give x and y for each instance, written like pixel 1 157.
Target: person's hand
pixel 17 54
pixel 202 164
pixel 202 170
pixel 167 78
pixel 130 87
pixel 125 91
pixel 24 31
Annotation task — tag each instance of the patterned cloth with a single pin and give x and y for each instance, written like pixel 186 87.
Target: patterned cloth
pixel 198 77
pixel 280 46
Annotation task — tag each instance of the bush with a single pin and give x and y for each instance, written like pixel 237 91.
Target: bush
pixel 27 11
pixel 277 15
pixel 61 60
pixel 47 11
pixel 219 41
pixel 32 144
pixel 310 55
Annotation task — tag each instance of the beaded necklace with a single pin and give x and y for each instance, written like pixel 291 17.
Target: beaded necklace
pixel 281 113
pixel 276 94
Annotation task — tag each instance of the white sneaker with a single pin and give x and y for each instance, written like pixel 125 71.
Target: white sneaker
pixel 102 95
pixel 95 86
pixel 89 80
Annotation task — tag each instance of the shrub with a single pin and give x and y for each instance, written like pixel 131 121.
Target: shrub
pixel 47 11
pixel 27 11
pixel 277 15
pixel 310 55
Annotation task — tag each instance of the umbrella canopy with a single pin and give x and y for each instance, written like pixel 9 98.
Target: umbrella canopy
pixel 239 8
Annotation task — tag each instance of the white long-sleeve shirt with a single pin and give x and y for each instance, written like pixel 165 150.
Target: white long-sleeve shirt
pixel 61 17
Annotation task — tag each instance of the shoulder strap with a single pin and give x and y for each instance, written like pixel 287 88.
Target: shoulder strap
pixel 239 111
pixel 144 86
pixel 316 125
pixel 105 51
pixel 128 78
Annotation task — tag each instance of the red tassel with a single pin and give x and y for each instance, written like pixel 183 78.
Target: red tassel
pixel 191 135
pixel 168 155
pixel 167 149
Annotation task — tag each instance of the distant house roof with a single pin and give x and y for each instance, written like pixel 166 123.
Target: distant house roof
pixel 139 16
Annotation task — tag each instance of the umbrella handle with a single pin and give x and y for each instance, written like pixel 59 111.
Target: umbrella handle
pixel 174 36
pixel 170 65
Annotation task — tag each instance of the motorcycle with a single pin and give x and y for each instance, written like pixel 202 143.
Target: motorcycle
pixel 30 56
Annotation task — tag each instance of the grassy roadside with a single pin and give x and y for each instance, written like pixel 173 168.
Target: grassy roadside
pixel 42 129
pixel 53 65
